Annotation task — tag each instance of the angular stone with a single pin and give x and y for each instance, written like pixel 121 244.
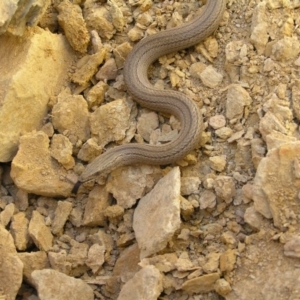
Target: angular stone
pixel 145 284
pixel 21 68
pixel 62 213
pixel 39 232
pixel 157 215
pixel 70 114
pixel 277 183
pixel 19 230
pixel 202 284
pixel 99 199
pixel 35 171
pixel 33 261
pixel 71 20
pixel 54 285
pixel 11 270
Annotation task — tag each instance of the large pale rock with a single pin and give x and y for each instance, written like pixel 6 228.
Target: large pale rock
pixel 145 284
pixel 277 183
pixel 157 215
pixel 15 15
pixel 54 285
pixel 35 171
pixel 11 267
pixel 26 66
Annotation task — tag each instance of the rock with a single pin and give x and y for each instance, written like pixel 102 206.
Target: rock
pixel 19 231
pixel 11 271
pixel 207 199
pixel 292 247
pixel 15 16
pixel 71 20
pixel 212 263
pixel 227 260
pixel 70 116
pixel 108 71
pixel 95 257
pixel 100 19
pixel 54 285
pixel 285 49
pixel 158 214
pixel 62 213
pixel 121 53
pixel 35 171
pixel 210 77
pixel 225 188
pixel 190 185
pixel 111 121
pixel 147 123
pixel 95 96
pixel 217 122
pixel 61 149
pixel 7 214
pixel 271 190
pixel 145 284
pixel 237 99
pixel 89 150
pixel 259 28
pixel 128 184
pixel 253 218
pixel 22 68
pixel 33 261
pixel 202 284
pixel 98 200
pixel 218 163
pixel 222 287
pixel 87 67
pixel 39 232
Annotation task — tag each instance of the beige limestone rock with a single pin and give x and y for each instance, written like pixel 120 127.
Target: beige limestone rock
pixel 39 232
pixel 35 171
pixel 228 260
pixel 61 149
pixel 276 185
pixel 98 200
pixel 285 49
pixel 25 72
pixel 292 247
pixel 19 230
pixel 95 257
pixel 190 185
pixel 121 53
pixel 70 116
pixel 146 284
pixel 202 284
pixel 237 99
pixel 7 214
pixel 108 71
pixel 71 20
pixel 33 261
pixel 157 215
pixel 87 67
pixel 222 287
pixel 111 121
pixel 54 285
pixel 11 270
pixel 211 77
pixel 95 96
pixel 62 213
pixel 16 15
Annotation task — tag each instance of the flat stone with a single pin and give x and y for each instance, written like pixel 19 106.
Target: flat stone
pixel 54 285
pixel 157 215
pixel 146 284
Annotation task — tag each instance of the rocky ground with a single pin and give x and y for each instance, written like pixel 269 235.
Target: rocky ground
pixel 223 223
